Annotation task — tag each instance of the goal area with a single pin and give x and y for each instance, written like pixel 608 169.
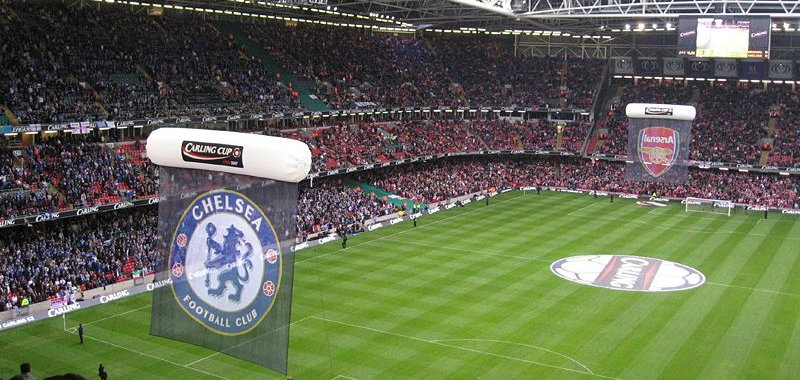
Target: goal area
pixel 711 206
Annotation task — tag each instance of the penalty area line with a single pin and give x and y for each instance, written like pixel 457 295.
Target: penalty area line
pixel 469 251
pixel 439 343
pixel 245 342
pixel 522 345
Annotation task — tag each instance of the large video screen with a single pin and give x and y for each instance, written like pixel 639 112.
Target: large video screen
pixel 724 37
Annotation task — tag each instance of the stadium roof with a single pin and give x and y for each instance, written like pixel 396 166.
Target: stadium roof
pixel 492 15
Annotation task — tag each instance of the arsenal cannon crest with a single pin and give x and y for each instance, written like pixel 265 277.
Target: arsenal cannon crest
pixel 658 149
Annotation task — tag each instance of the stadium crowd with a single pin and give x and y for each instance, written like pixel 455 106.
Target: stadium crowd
pixel 349 67
pixel 92 251
pixel 51 258
pixel 440 180
pixel 358 144
pixel 726 129
pixel 67 64
pixel 87 174
pixel 330 205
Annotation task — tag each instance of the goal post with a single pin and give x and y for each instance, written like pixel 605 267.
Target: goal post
pixel 712 206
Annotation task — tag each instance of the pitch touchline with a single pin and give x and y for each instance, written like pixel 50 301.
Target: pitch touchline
pixel 404 231
pixel 73 330
pixel 150 356
pixel 439 343
pixel 117 315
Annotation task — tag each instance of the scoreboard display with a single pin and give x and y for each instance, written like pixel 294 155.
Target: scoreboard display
pixel 724 37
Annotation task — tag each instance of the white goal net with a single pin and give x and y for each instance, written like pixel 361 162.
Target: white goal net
pixel 712 206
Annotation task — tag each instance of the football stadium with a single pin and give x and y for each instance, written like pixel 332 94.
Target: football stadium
pixel 399 189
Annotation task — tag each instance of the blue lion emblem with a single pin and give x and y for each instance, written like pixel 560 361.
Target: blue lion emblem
pixel 228 255
pixel 227 283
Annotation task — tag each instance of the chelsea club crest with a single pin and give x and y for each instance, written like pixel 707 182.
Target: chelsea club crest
pixel 225 262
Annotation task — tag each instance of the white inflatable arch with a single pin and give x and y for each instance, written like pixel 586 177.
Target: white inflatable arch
pixel 261 156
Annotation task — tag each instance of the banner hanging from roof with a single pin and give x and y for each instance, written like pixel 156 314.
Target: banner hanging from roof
pixel 226 224
pixel 658 142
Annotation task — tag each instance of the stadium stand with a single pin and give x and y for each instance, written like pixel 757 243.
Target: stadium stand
pixel 726 129
pixel 91 252
pixel 350 67
pixel 47 258
pixel 149 66
pixel 65 64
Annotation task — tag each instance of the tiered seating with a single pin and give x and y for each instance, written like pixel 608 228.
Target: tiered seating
pixel 350 66
pixel 70 64
pixel 726 129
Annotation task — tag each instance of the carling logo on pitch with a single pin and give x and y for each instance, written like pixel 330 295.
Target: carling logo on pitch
pixel 658 149
pixel 225 262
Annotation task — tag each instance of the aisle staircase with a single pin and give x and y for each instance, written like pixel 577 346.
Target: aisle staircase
pixel 696 96
pixel 252 48
pixel 559 138
pixel 772 125
pixel 383 194
pixel 518 142
pixel 10 116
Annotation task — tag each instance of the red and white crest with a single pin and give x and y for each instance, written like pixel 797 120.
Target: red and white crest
pixel 658 149
pixel 177 270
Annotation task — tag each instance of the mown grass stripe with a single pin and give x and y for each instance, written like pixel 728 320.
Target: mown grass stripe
pixel 483 273
pixel 717 316
pixel 625 335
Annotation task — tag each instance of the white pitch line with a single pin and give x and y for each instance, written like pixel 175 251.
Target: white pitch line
pixel 678 228
pixel 548 261
pixel 247 341
pixel 117 315
pixel 153 357
pixel 344 377
pixel 519 344
pixel 470 251
pixel 754 289
pixel 439 343
pixel 407 230
pixel 582 208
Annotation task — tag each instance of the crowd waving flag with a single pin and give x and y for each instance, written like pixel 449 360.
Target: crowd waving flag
pixel 226 228
pixel 658 142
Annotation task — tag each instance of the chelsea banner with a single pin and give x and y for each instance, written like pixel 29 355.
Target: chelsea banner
pixel 225 235
pixel 658 142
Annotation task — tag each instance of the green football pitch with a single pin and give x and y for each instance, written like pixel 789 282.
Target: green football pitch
pixel 469 294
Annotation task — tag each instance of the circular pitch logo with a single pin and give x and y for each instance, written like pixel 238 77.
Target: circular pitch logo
pixel 226 262
pixel 631 273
